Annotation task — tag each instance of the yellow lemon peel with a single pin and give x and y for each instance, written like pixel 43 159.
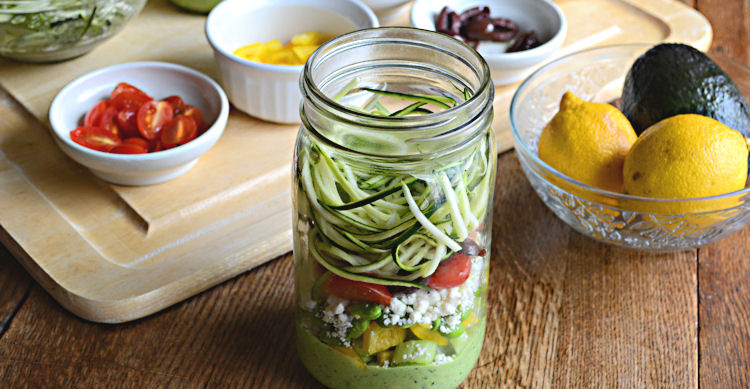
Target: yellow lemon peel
pixel 587 142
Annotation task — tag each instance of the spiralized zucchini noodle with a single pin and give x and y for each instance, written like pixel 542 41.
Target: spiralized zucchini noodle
pixel 392 228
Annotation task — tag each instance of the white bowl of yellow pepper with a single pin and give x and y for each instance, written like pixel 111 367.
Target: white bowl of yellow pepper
pixel 260 48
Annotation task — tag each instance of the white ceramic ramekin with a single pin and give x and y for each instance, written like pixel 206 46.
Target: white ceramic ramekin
pixel 159 80
pixel 271 92
pixel 542 16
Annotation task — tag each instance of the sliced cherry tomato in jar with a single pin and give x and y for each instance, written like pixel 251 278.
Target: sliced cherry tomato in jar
pixel 127 121
pixel 358 291
pixel 175 101
pixel 194 113
pixel 94 138
pixel 452 272
pixel 152 116
pixel 178 131
pixel 128 148
pixel 126 95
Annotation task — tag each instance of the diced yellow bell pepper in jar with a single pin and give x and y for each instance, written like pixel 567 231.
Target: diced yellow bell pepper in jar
pixel 349 352
pixel 377 338
pixel 424 332
pixel 385 357
pixel 470 320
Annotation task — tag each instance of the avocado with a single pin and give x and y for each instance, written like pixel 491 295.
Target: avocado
pixel 672 79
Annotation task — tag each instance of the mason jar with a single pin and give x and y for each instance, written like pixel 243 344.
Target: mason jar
pixel 394 172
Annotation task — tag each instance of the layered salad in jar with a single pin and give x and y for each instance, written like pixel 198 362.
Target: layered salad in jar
pixel 392 260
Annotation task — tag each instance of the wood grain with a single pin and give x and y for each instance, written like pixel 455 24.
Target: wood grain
pixel 724 270
pixel 725 313
pixel 731 25
pixel 97 259
pixel 131 251
pixel 564 312
pixel 14 288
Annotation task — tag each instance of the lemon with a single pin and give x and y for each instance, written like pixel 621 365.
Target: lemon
pixel 686 156
pixel 587 142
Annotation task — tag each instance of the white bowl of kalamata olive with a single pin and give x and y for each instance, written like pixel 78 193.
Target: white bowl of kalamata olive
pixel 514 37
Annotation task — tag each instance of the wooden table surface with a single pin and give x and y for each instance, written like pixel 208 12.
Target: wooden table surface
pixel 565 311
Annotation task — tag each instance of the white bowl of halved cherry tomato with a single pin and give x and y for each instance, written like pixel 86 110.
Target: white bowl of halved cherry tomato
pixel 139 123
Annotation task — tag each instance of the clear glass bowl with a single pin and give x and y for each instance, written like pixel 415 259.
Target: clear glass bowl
pixel 621 220
pixel 58 30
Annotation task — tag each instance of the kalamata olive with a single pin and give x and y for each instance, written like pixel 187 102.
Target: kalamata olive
pixel 470 247
pixel 478 29
pixel 454 23
pixel 441 23
pixel 473 12
pixel 475 24
pixel 505 29
pixel 524 42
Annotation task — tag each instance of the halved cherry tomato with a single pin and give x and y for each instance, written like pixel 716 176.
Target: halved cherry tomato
pixel 152 116
pixel 358 291
pixel 175 101
pixel 126 95
pixel 452 272
pixel 134 116
pixel 127 122
pixel 178 131
pixel 94 138
pixel 108 121
pixel 137 141
pixel 128 148
pixel 195 113
pixel 102 115
pixel 155 146
pixel 93 117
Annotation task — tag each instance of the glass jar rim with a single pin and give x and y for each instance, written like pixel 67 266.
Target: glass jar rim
pixel 386 123
pixel 307 76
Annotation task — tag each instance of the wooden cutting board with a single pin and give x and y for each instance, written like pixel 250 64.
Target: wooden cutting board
pixel 110 253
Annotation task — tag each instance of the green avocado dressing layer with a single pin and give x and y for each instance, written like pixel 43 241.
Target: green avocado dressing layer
pixel 338 371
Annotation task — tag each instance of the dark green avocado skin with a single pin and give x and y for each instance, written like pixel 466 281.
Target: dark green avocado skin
pixel 672 79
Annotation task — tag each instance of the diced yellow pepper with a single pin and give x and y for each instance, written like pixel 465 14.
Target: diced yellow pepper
pixel 295 52
pixel 307 38
pixel 251 52
pixel 470 320
pixel 303 52
pixel 424 332
pixel 385 357
pixel 274 45
pixel 282 57
pixel 349 352
pixel 377 338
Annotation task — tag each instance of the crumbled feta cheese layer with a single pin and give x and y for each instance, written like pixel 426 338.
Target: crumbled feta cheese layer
pixel 425 307
pixel 411 308
pixel 335 315
pixel 441 358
